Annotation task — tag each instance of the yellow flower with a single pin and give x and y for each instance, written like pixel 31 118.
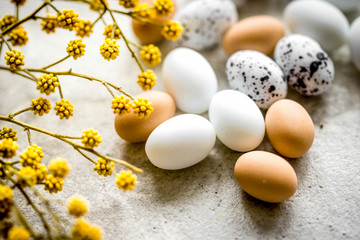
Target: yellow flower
pixel 142 107
pixel 147 79
pixel 6 199
pixel 8 148
pixel 90 138
pixel 77 206
pixel 14 59
pixel 129 3
pixel 7 21
pixel 64 109
pixel 109 49
pixel 18 2
pixel 171 30
pixel 145 11
pixel 76 48
pixel 26 177
pixel 97 5
pixel 84 28
pixel 18 233
pixel 32 156
pixel 104 167
pixel 68 19
pixel 47 83
pixel 8 133
pixel 53 184
pixel 163 7
pixel 126 180
pixel 150 55
pixel 120 105
pixel 83 230
pixel 59 167
pixel 40 172
pixel 40 106
pixel 108 31
pixel 18 36
pixel 49 24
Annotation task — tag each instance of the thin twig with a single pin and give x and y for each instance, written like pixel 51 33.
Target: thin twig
pixel 100 17
pixel 17 13
pixel 19 112
pixel 84 155
pixel 28 135
pixel 60 91
pixel 59 61
pixel 6 42
pixel 53 7
pixel 107 87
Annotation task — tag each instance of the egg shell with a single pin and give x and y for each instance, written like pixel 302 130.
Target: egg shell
pixel 319 20
pixel 132 129
pixel 257 76
pixel 346 5
pixel 205 22
pixel 147 33
pixel 190 79
pixel 260 33
pixel 265 176
pixel 180 142
pixel 355 42
pixel 237 120
pixel 289 128
pixel 307 67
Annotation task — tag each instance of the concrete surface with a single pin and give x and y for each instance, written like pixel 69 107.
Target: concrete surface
pixel 203 201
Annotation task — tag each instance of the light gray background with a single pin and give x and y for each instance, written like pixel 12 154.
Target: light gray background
pixel 203 201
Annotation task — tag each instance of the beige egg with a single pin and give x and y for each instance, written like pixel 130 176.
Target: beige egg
pixel 289 128
pixel 265 176
pixel 260 33
pixel 132 129
pixel 148 33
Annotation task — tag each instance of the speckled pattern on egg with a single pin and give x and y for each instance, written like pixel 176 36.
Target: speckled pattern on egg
pixel 307 67
pixel 256 75
pixel 204 22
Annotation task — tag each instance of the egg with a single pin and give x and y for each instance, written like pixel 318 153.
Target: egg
pixel 307 67
pixel 237 120
pixel 355 42
pixel 147 33
pixel 205 22
pixel 132 129
pixel 346 5
pixel 190 79
pixel 260 33
pixel 257 76
pixel 319 20
pixel 266 176
pixel 289 128
pixel 180 142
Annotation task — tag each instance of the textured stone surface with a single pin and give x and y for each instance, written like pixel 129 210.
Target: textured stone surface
pixel 203 201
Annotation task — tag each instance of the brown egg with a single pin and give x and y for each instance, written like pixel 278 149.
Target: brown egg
pixel 147 33
pixel 132 129
pixel 260 33
pixel 289 128
pixel 265 176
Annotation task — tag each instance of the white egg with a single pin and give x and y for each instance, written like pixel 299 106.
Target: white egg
pixel 346 5
pixel 237 120
pixel 256 75
pixel 204 22
pixel 319 20
pixel 180 142
pixel 190 79
pixel 307 67
pixel 355 42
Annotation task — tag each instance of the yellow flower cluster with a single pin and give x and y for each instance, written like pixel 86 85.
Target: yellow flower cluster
pixel 8 148
pixel 129 3
pixel 7 21
pixel 171 30
pixel 77 206
pixel 109 29
pixel 40 173
pixel 47 83
pixel 64 109
pixel 8 133
pixel 97 5
pixel 109 49
pixel 68 19
pixel 126 180
pixel 150 55
pixel 18 2
pixel 143 10
pixel 18 233
pixel 59 167
pixel 120 105
pixel 147 79
pixel 142 107
pixel 83 230
pixel 163 7
pixel 40 106
pixel 6 199
pixel 90 138
pixel 104 168
pixel 76 48
pixel 18 36
pixel 53 184
pixel 84 28
pixel 49 24
pixel 14 59
pixel 32 156
pixel 26 177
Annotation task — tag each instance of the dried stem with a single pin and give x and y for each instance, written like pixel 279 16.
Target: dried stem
pixel 59 61
pixel 100 17
pixel 28 135
pixel 17 13
pixel 19 112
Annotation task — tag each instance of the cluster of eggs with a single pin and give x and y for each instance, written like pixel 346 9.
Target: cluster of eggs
pixel 256 81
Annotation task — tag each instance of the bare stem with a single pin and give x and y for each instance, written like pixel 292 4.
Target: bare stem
pixel 53 7
pixel 6 42
pixel 107 87
pixel 100 17
pixel 59 61
pixel 17 12
pixel 84 155
pixel 60 92
pixel 28 135
pixel 19 112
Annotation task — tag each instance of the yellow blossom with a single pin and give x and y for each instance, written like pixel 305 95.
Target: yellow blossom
pixel 64 109
pixel 143 10
pixel 18 2
pixel 104 167
pixel 26 177
pixel 32 156
pixel 18 36
pixel 147 79
pixel 59 167
pixel 6 199
pixel 18 233
pixel 76 48
pixel 40 172
pixel 142 107
pixel 150 55
pixel 126 180
pixel 8 133
pixel 53 184
pixel 14 59
pixel 83 230
pixel 171 30
pixel 49 24
pixel 77 206
pixel 108 31
pixel 97 5
pixel 40 106
pixel 163 7
pixel 90 138
pixel 129 3
pixel 68 19
pixel 7 21
pixel 109 49
pixel 84 28
pixel 8 148
pixel 120 105
pixel 47 83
